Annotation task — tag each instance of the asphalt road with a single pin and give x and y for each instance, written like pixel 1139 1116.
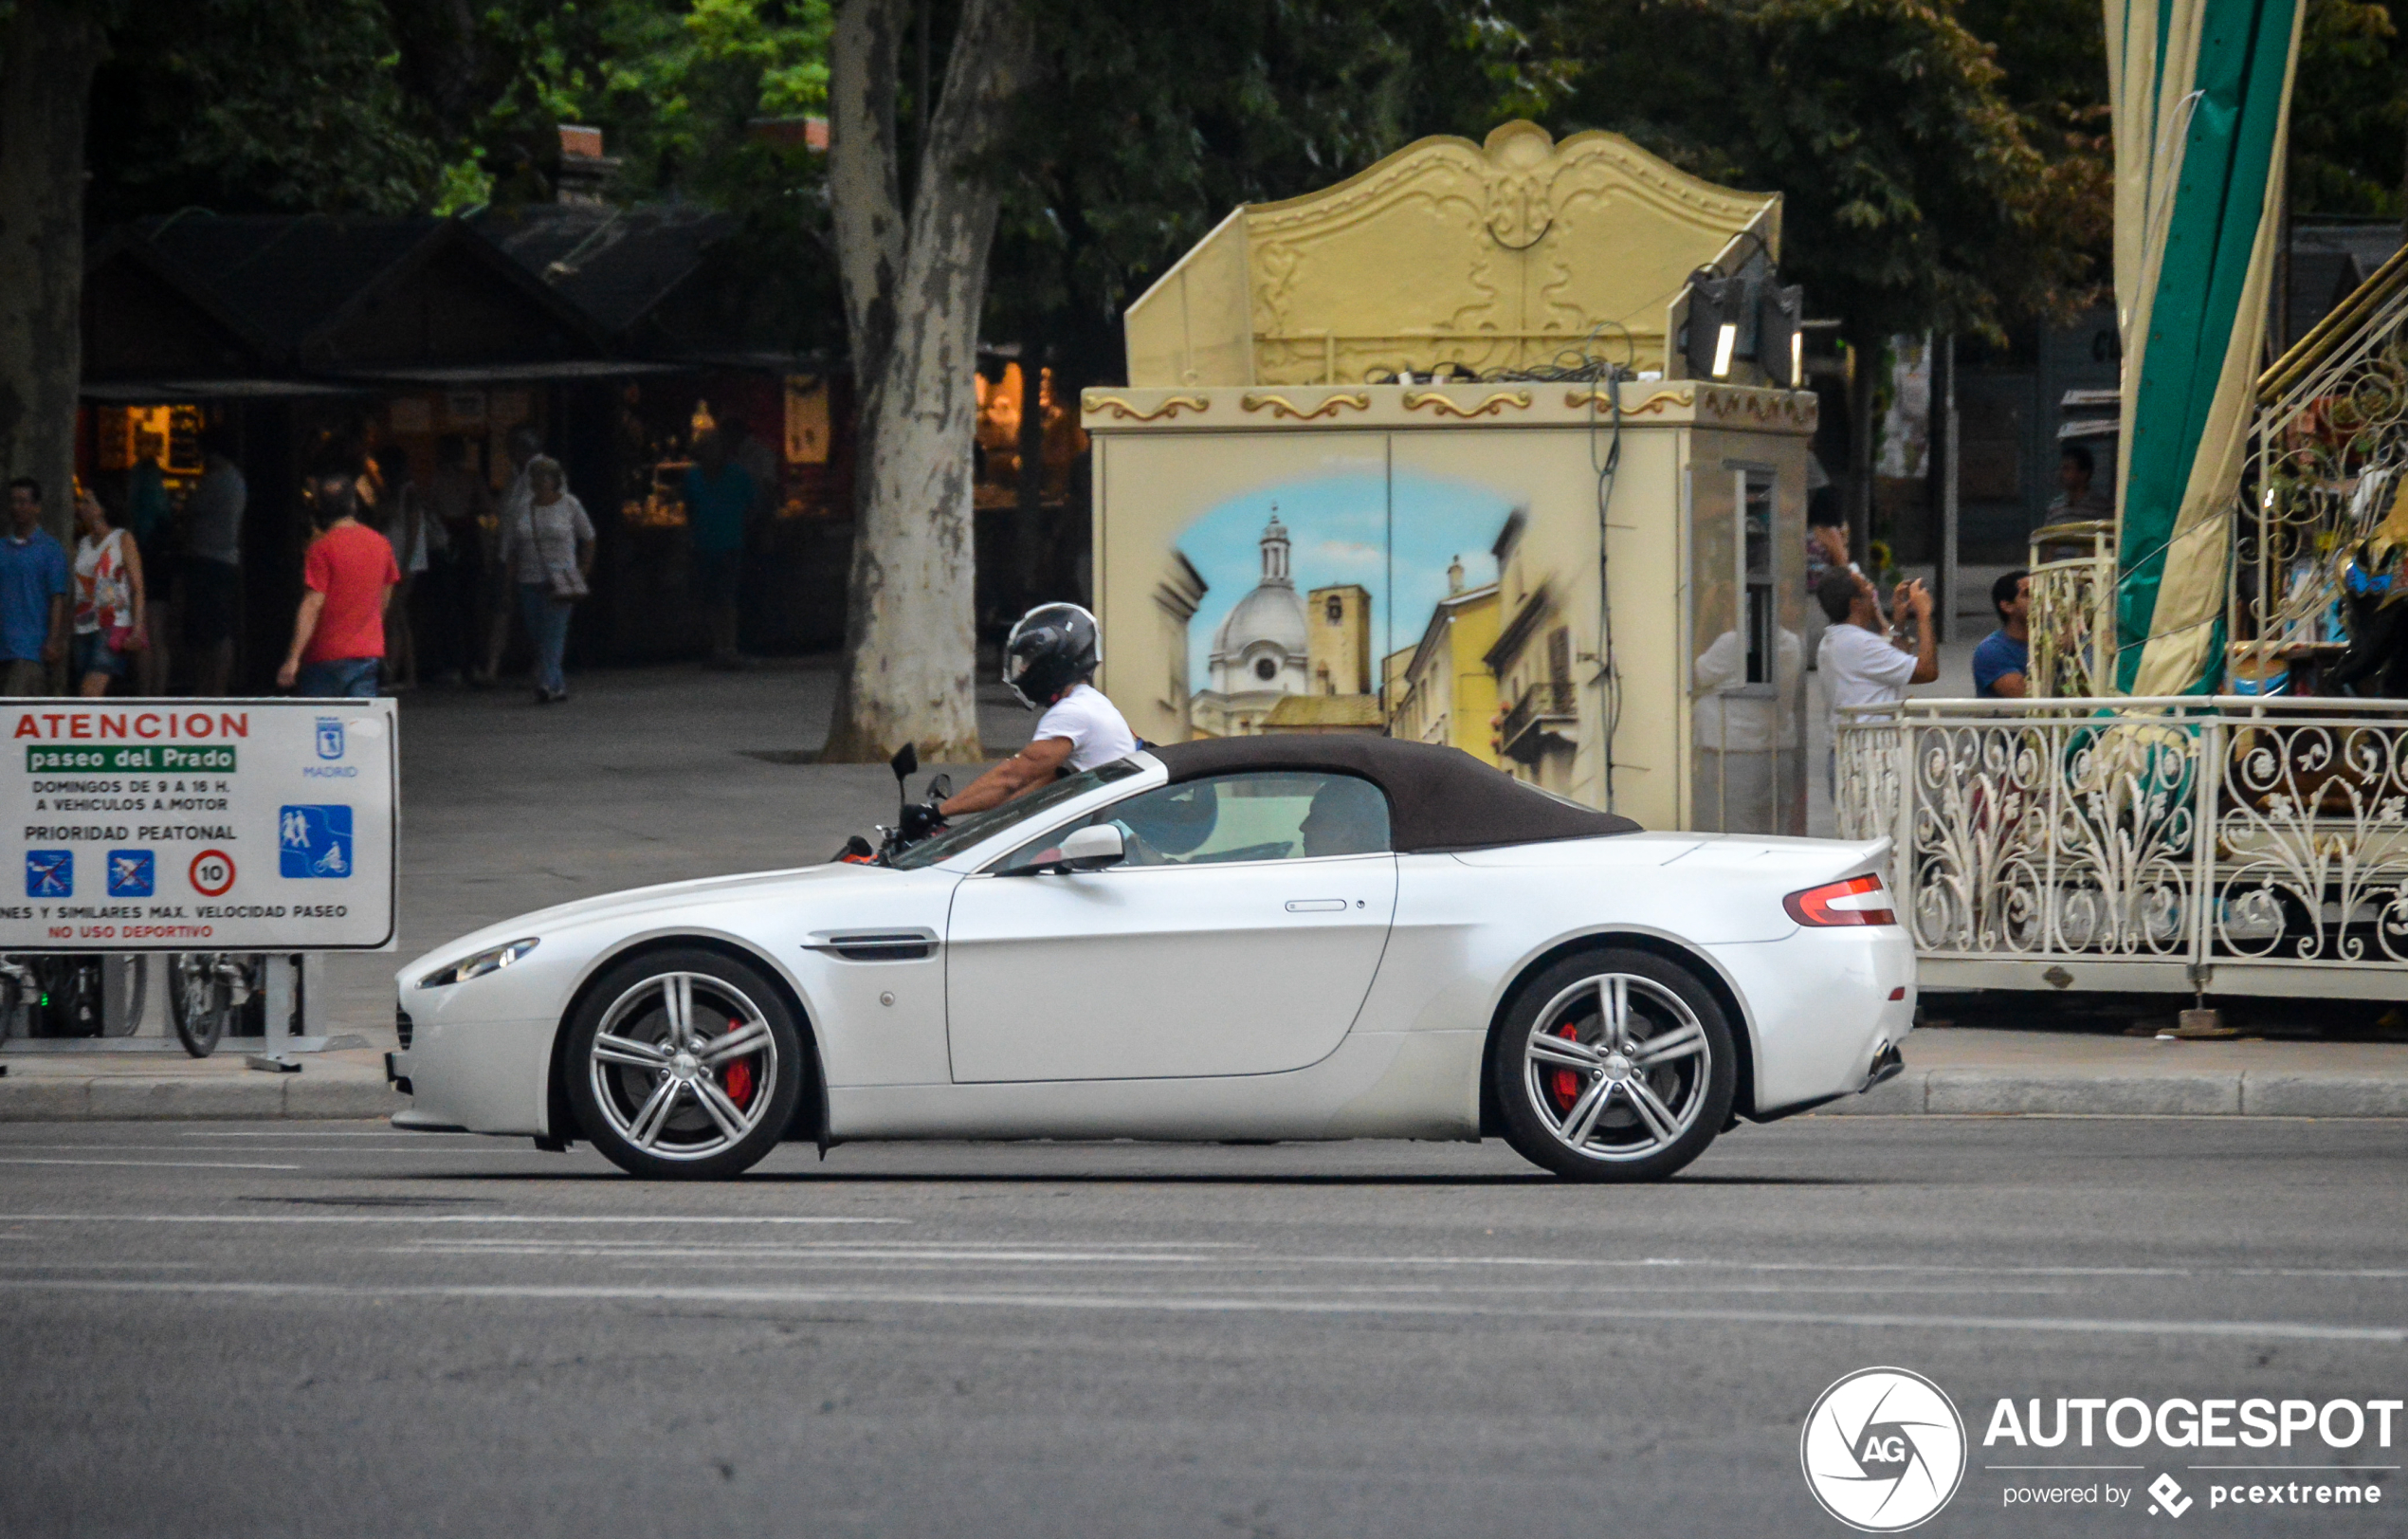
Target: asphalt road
pixel 336 1329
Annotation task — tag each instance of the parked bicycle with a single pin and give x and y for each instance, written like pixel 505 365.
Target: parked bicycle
pixel 208 992
pixel 67 995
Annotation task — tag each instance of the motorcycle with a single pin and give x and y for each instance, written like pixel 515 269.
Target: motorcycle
pixel 914 820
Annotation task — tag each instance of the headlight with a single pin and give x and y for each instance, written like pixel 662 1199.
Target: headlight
pixel 477 965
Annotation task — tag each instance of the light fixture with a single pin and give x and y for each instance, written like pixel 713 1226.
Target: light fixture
pixel 1724 339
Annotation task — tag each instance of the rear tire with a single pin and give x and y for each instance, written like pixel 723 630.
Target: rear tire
pixel 1614 1065
pixel 684 1065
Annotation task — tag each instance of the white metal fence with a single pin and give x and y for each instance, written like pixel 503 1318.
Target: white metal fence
pixel 2256 845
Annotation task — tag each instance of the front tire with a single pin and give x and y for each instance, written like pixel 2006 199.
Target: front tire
pixel 202 993
pixel 1615 1065
pixel 684 1065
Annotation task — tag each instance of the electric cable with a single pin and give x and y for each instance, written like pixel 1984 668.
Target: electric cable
pixel 1581 365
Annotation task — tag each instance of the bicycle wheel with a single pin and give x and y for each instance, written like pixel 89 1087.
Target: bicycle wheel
pixel 201 997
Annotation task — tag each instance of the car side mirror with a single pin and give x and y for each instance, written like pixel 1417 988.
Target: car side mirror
pixel 1093 847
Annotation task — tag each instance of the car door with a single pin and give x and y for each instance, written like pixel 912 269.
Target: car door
pixel 1238 937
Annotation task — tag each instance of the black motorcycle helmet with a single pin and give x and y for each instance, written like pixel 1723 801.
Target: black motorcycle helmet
pixel 1053 647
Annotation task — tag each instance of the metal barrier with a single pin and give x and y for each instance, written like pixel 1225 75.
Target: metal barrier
pixel 2251 845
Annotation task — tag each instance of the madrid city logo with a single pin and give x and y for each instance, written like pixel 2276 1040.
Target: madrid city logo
pixel 1884 1449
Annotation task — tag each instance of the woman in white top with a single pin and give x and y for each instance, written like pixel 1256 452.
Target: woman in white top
pixel 547 548
pixel 109 598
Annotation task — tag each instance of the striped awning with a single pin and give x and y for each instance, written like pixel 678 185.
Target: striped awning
pixel 2201 97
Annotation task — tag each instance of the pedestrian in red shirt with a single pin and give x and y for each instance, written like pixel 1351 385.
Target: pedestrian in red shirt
pixel 338 635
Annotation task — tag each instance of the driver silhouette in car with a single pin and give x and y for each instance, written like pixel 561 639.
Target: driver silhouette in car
pixel 1347 817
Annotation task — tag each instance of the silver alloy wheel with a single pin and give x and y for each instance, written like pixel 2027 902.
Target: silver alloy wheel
pixel 1616 1067
pixel 662 1055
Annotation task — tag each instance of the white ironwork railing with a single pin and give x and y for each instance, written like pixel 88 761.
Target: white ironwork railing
pixel 2072 614
pixel 2182 829
pixel 2325 456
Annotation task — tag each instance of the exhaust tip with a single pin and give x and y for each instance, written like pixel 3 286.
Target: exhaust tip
pixel 1887 1065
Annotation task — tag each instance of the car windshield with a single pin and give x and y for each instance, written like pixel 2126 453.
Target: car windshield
pixel 979 827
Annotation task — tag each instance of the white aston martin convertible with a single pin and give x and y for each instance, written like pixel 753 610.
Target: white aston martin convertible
pixel 1245 939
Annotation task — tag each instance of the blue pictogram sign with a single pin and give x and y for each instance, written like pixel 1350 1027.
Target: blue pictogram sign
pixel 132 873
pixel 312 842
pixel 50 873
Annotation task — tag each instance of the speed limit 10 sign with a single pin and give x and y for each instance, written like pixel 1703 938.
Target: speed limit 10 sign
pixel 199 825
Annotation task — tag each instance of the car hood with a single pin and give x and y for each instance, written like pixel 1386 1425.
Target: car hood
pixel 635 901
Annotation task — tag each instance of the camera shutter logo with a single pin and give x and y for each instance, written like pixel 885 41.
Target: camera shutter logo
pixel 1883 1449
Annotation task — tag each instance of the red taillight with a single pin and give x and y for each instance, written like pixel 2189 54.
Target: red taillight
pixel 1859 900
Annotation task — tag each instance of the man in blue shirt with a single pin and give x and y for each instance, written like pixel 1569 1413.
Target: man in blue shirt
pixel 2000 662
pixel 33 595
pixel 718 494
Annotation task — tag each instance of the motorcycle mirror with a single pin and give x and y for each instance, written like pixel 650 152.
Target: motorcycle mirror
pixel 906 762
pixel 941 789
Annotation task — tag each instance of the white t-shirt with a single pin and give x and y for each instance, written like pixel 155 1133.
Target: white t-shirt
pixel 1093 725
pixel 1861 668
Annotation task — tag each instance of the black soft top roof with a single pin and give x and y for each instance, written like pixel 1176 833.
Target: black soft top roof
pixel 1438 799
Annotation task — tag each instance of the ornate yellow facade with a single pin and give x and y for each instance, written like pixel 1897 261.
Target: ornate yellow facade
pixel 1480 256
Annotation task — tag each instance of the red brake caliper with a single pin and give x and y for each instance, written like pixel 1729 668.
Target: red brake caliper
pixel 739 1077
pixel 1566 1082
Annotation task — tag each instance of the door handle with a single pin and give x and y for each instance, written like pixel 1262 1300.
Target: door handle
pixel 1315 905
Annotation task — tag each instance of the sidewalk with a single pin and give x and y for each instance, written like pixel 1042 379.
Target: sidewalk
pixel 657 775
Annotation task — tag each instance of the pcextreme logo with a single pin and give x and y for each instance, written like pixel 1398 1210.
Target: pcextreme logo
pixel 1883 1449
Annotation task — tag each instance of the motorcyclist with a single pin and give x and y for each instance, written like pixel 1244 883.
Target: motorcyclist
pixel 1048 660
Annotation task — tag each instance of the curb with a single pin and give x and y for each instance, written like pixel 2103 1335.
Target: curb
pixel 1957 1093
pixel 133 1098
pixel 2247 1092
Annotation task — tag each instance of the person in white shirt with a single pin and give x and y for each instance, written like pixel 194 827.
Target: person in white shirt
pixel 1048 661
pixel 1859 663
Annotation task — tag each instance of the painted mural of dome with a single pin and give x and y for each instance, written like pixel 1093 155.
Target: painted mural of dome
pixel 1261 645
pixel 1268 614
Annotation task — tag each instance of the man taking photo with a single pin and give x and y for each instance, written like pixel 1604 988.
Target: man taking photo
pixel 1859 663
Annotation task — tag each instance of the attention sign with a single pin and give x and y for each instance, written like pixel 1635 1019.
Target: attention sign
pixel 249 825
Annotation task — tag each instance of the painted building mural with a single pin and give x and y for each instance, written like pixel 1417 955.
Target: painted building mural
pixel 1290 626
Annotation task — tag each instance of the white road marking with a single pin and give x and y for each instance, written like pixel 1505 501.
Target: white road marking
pixel 1165 1250
pixel 413 1217
pixel 283 1148
pixel 354 1132
pixel 1551 1291
pixel 152 1164
pixel 2251 1329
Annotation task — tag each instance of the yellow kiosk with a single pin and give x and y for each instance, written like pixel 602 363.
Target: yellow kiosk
pixel 1468 448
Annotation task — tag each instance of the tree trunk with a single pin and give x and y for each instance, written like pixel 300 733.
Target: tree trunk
pixel 915 283
pixel 1864 362
pixel 45 88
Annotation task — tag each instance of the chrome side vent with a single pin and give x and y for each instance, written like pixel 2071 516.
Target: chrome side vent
pixel 875 945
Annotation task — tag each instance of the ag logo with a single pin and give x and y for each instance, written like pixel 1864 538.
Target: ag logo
pixel 1883 1449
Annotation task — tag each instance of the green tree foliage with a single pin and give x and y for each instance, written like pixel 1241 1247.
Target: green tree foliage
pixel 2349 112
pixel 247 105
pixel 678 87
pixel 398 105
pixel 1914 195
pixel 1152 125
